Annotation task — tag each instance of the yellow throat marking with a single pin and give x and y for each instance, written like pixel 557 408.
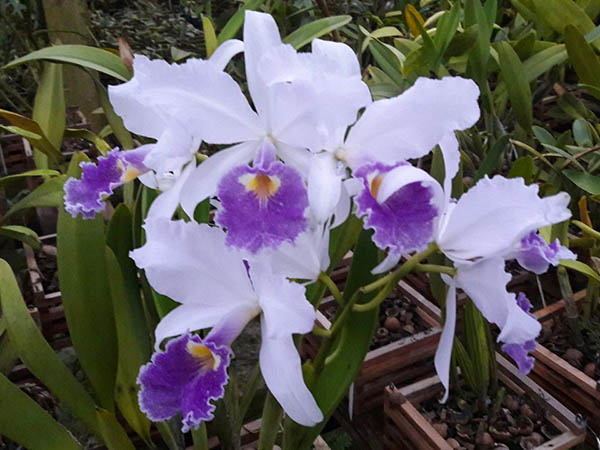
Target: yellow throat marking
pixel 207 359
pixel 130 173
pixel 375 184
pixel 263 186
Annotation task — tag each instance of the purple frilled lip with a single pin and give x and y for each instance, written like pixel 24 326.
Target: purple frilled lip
pixel 536 255
pixel 86 196
pixel 262 205
pixel 185 378
pixel 520 352
pixel 404 222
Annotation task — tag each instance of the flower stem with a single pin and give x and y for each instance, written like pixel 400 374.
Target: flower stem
pixel 270 422
pixel 200 438
pixel 435 268
pixel 327 281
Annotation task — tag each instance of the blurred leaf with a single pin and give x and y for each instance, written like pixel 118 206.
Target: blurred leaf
pixel 523 167
pixel 48 194
pixel 233 25
pixel 81 133
pixel 21 233
pixel 379 33
pixel 582 57
pixel 80 55
pixel 573 106
pixel 34 133
pixel 210 38
pixel 585 181
pixel 557 151
pixel 5 181
pixel 312 30
pixel 517 85
pixel 581 268
pixel 446 29
pixel 387 60
pixel 20 414
pixel 463 42
pixel 582 133
pixel 475 14
pixel 413 17
pixel 560 13
pixel 115 121
pixel 49 111
pixel 86 297
pixel 493 158
pixel 525 8
pixel 543 135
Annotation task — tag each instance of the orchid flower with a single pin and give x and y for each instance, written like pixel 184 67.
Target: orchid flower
pixel 219 288
pixel 478 233
pixel 389 132
pixel 300 99
pixel 164 165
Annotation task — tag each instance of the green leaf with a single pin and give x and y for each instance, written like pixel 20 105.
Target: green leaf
pixel 86 297
pixel 479 55
pixel 50 194
pixel 115 121
pixel 476 346
pixel 582 57
pixel 557 14
pixel 21 233
pixel 582 133
pixel 23 421
pixel 543 135
pixel 523 167
pixel 581 268
pixel 81 133
pixel 40 359
pixel 5 181
pixel 517 85
pixel 132 333
pixel 210 38
pixel 585 181
pixel 413 18
pixel 306 33
pixel 32 131
pixel 446 29
pixel 330 386
pixel 80 55
pixel 493 158
pixel 387 60
pixel 233 25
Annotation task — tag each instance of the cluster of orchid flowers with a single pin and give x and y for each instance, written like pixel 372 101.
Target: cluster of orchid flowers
pixel 298 165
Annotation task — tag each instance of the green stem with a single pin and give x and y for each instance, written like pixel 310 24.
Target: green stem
pixel 321 332
pixel 435 268
pixel 250 389
pixel 586 229
pixel 200 437
pixel 269 424
pixel 327 281
pixel 570 306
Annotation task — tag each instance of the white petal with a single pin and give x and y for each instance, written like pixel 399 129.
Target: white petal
pixel 404 175
pixel 411 124
pixel 284 305
pixel 443 354
pixel 304 259
pixel 297 157
pixel 224 52
pixel 260 35
pixel 166 203
pixel 343 208
pixel 390 261
pixel 324 186
pixel 149 179
pixel 190 263
pixel 174 148
pixel 282 371
pixel 206 177
pixel 229 327
pixel 485 283
pixel 189 317
pixel 339 54
pixel 451 154
pixel 204 98
pixel 494 215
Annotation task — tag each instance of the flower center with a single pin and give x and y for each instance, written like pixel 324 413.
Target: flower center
pixel 263 185
pixel 129 172
pixel 375 185
pixel 206 359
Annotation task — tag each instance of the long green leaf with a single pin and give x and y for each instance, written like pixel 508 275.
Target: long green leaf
pixel 587 182
pixel 21 233
pixel 24 421
pixel 306 33
pixel 132 334
pixel 80 55
pixel 48 194
pixel 81 133
pixel 582 56
pixel 86 297
pixel 49 110
pixel 581 268
pixel 233 25
pixel 210 38
pixel 4 181
pixel 517 84
pixel 559 13
pixel 115 122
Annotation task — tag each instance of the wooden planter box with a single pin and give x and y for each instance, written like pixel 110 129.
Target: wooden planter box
pixel 401 361
pixel 406 428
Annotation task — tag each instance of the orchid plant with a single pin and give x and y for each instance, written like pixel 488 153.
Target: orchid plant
pixel 310 154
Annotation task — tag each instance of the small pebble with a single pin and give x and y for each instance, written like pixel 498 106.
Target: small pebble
pixel 590 370
pixel 511 403
pixel 573 357
pixel 409 329
pixel 392 324
pixel 484 439
pixel 453 443
pixel 527 411
pixel 441 428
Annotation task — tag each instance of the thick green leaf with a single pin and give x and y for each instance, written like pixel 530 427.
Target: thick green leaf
pixel 559 13
pixel 81 133
pixel 233 25
pixel 115 121
pixel 41 360
pixel 4 181
pixel 582 56
pixel 132 333
pixel 446 29
pixel 479 55
pixel 582 133
pixel 543 135
pixel 493 158
pixel 49 110
pixel 330 386
pixel 86 297
pixel 517 85
pixel 523 167
pixel 388 61
pixel 581 268
pixel 21 233
pixel 48 194
pixel 306 33
pixel 210 38
pixel 476 346
pixel 587 182
pixel 33 132
pixel 23 421
pixel 80 55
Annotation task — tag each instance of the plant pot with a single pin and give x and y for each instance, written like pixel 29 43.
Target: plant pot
pixel 401 361
pixel 407 428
